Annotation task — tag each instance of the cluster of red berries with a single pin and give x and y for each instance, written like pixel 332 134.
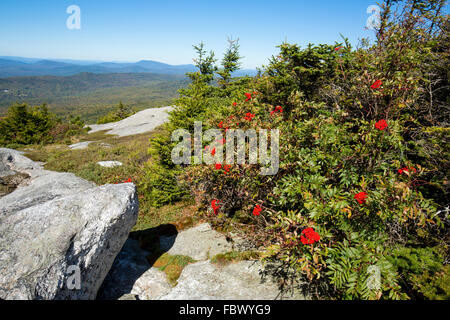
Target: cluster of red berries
pixel 277 109
pixel 309 236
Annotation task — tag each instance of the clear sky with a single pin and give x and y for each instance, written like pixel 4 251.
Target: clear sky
pixel 132 30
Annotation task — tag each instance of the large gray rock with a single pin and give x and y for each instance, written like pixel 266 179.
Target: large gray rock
pixel 58 224
pixel 142 121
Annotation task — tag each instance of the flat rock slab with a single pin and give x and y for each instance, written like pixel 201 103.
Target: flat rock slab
pixel 110 164
pixel 237 281
pixel 199 243
pixel 141 122
pixel 133 278
pixel 56 222
pixel 80 145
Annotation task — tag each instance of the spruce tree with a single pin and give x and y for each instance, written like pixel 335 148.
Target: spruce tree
pixel 230 62
pixel 205 63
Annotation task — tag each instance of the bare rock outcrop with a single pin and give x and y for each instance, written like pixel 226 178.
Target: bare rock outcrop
pixel 59 234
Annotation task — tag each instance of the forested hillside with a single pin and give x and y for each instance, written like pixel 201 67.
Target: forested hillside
pixel 91 95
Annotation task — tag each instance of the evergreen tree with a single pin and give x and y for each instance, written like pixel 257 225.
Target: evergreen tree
pixel 24 125
pixel 230 62
pixel 121 112
pixel 205 63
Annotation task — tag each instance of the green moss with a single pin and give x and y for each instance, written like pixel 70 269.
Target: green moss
pixel 224 259
pixel 172 266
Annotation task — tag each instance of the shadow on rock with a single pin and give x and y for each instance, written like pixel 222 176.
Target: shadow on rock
pixel 156 241
pixel 291 284
pixel 142 249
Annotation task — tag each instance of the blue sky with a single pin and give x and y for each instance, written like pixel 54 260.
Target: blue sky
pixel 132 30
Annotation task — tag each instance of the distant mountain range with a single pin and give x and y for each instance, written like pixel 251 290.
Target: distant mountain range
pixel 20 67
pixel 91 95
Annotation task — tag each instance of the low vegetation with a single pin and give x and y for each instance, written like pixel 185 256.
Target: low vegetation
pixel 120 113
pixel 24 125
pixel 361 197
pixel 359 206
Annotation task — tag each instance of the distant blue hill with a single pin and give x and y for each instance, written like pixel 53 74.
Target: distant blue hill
pixel 20 67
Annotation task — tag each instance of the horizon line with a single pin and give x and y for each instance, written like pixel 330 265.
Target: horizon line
pixel 103 61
